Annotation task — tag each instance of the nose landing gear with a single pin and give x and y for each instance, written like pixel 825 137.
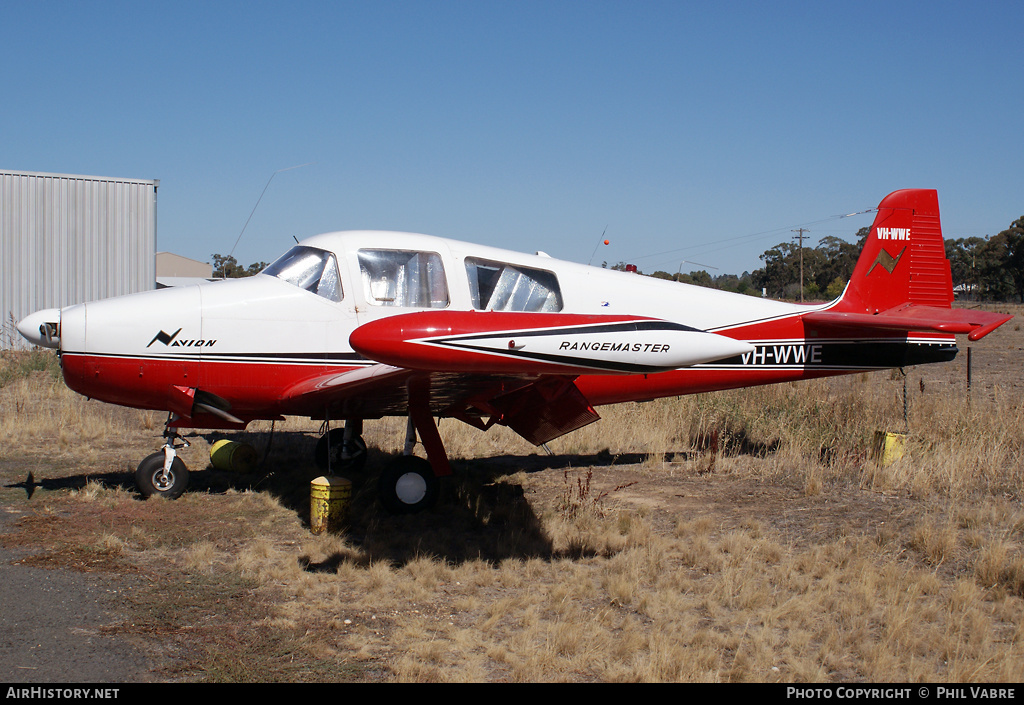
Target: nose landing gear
pixel 163 474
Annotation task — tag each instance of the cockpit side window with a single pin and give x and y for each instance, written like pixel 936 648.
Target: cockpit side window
pixel 403 278
pixel 311 269
pixel 499 286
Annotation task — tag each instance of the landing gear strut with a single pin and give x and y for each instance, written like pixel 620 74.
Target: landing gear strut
pixel 411 484
pixel 163 474
pixel 342 449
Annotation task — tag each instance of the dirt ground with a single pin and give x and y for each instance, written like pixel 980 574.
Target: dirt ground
pixel 56 610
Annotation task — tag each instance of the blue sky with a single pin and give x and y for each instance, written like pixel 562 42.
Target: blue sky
pixel 693 131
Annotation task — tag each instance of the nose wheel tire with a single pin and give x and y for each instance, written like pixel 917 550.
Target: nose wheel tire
pixel 153 481
pixel 408 485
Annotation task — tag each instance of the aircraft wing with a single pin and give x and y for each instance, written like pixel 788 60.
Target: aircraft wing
pixel 517 369
pixel 538 407
pixel 909 317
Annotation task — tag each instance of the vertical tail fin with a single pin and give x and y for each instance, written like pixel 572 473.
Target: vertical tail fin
pixel 904 258
pixel 902 280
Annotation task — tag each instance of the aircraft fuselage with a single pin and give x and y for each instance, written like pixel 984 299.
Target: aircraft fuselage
pixel 252 340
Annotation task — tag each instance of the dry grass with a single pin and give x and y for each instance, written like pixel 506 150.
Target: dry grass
pixel 741 536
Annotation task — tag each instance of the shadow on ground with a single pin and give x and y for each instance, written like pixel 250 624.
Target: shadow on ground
pixel 483 513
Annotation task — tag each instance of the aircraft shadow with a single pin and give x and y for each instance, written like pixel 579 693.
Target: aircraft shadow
pixel 482 513
pixel 475 519
pixel 30 484
pixel 471 522
pixel 713 443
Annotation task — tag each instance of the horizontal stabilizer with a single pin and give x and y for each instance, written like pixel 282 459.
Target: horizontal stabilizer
pixel 908 317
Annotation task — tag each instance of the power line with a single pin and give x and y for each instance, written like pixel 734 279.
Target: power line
pixel 737 240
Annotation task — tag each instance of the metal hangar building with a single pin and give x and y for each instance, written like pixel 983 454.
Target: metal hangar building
pixel 67 239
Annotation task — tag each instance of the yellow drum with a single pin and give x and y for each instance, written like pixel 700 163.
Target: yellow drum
pixel 889 447
pixel 234 456
pixel 328 502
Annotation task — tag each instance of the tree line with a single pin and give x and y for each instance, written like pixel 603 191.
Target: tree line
pixel 983 269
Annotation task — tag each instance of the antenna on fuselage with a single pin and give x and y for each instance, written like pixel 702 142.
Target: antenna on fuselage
pixel 598 245
pixel 299 166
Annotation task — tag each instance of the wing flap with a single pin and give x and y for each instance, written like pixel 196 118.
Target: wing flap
pixel 540 411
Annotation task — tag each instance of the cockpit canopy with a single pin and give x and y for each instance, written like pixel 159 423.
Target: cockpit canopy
pixel 311 269
pixel 417 279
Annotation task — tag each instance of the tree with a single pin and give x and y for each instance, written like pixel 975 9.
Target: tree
pixel 702 278
pixel 839 256
pixel 227 267
pixel 835 288
pixel 255 268
pixel 817 270
pixel 1000 263
pixel 962 254
pixel 778 271
pixel 1014 238
pixel 833 259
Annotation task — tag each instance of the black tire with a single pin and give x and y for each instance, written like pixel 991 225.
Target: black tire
pixel 408 485
pixel 150 479
pixel 355 452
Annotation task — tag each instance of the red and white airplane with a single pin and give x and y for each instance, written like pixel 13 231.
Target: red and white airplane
pixel 359 325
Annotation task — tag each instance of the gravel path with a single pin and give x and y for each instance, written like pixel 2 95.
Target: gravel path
pixel 50 622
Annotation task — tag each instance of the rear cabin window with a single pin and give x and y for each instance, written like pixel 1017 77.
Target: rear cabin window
pixel 403 278
pixel 499 286
pixel 311 269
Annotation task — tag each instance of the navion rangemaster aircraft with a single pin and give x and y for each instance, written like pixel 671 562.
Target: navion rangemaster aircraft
pixel 350 326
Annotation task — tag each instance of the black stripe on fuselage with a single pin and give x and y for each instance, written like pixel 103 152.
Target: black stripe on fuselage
pixel 837 354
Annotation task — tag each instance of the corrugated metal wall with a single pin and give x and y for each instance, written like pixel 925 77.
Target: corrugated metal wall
pixel 66 239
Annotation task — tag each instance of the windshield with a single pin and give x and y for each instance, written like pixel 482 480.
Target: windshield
pixel 310 269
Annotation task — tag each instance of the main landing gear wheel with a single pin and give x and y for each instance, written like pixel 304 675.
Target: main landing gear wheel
pixel 346 455
pixel 152 480
pixel 408 485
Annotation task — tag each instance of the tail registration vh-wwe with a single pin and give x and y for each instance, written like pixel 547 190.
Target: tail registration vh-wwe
pixel 360 325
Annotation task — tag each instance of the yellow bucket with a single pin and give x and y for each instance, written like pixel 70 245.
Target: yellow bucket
pixel 889 447
pixel 234 456
pixel 328 502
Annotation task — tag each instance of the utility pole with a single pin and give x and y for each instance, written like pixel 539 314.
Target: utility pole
pixel 800 236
